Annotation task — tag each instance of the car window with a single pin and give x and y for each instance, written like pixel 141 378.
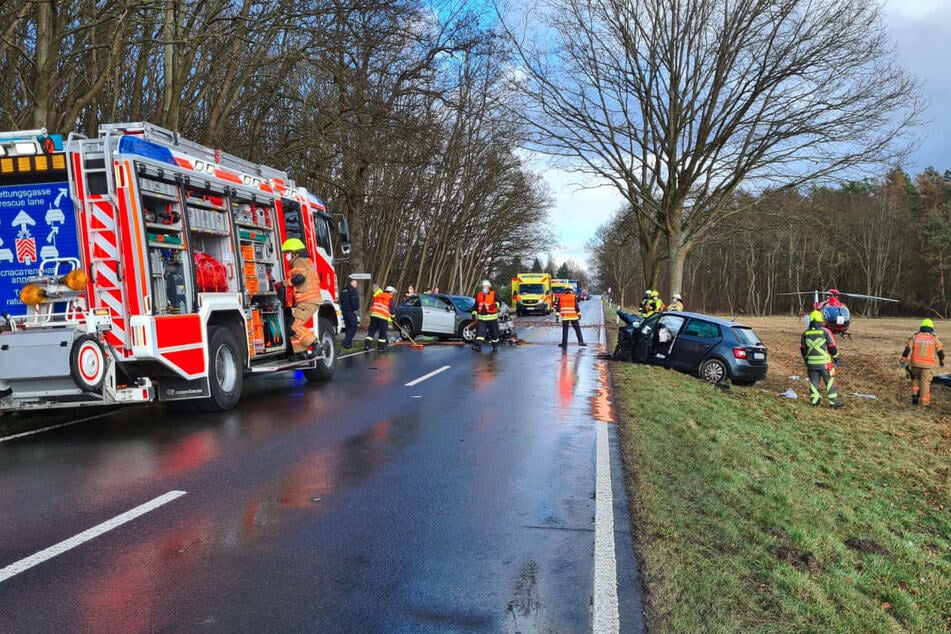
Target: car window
pixel 647 327
pixel 429 301
pixel 704 329
pixel 465 304
pixel 442 303
pixel 746 336
pixel 411 301
pixel 673 323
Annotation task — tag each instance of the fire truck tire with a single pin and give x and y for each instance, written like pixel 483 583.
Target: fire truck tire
pixel 87 364
pixel 225 374
pixel 327 358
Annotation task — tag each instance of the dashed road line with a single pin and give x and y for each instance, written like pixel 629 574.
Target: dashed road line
pixel 77 540
pixel 427 376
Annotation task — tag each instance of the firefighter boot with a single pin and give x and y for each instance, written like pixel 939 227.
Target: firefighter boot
pixel 366 345
pixel 381 346
pixel 914 398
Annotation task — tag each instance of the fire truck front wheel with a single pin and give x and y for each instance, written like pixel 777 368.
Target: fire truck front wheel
pixel 327 357
pixel 225 374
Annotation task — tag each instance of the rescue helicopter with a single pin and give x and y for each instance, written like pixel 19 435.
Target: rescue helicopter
pixel 834 311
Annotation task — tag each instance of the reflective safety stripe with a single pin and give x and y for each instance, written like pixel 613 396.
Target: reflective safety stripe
pixel 817 353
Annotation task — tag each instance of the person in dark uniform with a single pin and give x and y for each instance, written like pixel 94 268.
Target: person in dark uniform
pixel 350 307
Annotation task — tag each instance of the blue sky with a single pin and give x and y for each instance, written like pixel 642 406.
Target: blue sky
pixel 922 33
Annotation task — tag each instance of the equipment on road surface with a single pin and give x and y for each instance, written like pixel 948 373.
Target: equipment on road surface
pixel 140 266
pixel 834 311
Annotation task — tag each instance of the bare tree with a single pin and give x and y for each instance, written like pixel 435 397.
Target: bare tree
pixel 679 102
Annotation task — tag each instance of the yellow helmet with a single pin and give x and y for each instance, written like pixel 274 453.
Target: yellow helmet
pixel 293 244
pixel 816 316
pixel 655 294
pixel 927 323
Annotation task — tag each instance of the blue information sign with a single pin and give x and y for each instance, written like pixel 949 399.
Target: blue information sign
pixel 36 223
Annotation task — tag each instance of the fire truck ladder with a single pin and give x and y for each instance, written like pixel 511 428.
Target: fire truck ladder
pixel 100 209
pixel 162 136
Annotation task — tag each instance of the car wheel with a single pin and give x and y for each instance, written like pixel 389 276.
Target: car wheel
pixel 468 331
pixel 405 329
pixel 713 371
pixel 327 358
pixel 225 374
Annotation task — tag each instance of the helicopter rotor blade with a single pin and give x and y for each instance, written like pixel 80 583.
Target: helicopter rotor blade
pixel 881 299
pixel 798 293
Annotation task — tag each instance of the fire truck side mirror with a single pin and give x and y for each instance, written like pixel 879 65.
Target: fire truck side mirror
pixel 343 228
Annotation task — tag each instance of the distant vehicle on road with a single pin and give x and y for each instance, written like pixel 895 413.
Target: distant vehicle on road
pixel 712 348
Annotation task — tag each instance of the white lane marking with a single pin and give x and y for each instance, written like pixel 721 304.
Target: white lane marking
pixel 66 424
pixel 606 617
pixel 427 376
pixel 68 544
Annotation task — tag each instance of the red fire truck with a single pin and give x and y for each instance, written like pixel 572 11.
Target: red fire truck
pixel 138 265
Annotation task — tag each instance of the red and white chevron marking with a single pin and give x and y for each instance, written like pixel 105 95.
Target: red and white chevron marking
pixel 105 258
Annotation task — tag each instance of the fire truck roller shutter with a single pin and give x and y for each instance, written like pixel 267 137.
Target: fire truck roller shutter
pixel 87 364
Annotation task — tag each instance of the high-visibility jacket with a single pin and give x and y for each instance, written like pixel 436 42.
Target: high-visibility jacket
pixel 925 349
pixel 675 305
pixel 382 302
pixel 486 307
pixel 569 307
pixel 307 290
pixel 818 348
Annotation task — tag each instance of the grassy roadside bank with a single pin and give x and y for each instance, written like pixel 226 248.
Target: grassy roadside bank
pixel 756 513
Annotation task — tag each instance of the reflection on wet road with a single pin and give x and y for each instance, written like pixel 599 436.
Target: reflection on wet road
pixel 463 502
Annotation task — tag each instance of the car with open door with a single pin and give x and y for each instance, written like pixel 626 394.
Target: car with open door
pixel 712 348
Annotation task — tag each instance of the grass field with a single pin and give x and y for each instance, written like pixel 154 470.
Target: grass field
pixel 755 512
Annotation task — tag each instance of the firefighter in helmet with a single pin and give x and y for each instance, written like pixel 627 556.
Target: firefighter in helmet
pixel 646 306
pixel 821 355
pixel 657 304
pixel 381 314
pixel 676 303
pixel 305 297
pixel 486 313
pixel 924 350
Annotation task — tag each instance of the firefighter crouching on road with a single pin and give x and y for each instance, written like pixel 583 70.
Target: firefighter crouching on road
pixel 486 313
pixel 570 315
pixel 926 350
pixel 820 353
pixel 306 297
pixel 381 314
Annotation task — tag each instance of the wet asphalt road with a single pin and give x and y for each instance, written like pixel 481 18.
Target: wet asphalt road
pixel 465 503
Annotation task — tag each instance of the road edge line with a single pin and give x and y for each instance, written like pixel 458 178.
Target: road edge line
pixel 606 613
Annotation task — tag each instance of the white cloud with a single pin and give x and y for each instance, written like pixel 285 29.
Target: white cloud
pixel 582 204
